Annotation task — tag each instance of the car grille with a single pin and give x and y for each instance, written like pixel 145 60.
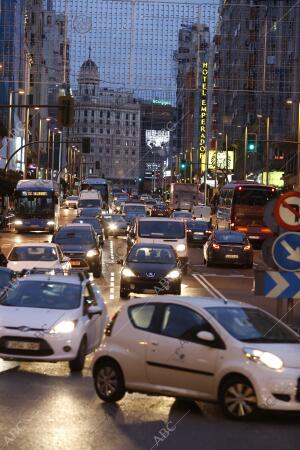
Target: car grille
pixel 44 350
pixel 298 391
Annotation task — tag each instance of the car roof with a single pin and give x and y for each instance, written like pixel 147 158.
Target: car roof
pixel 155 219
pixel 166 246
pixel 36 244
pixel 198 302
pixel 220 232
pixel 69 279
pixel 77 225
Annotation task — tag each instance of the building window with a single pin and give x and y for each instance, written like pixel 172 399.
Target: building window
pixel 92 149
pixel 127 123
pixel 101 131
pixel 84 129
pixel 126 143
pixel 85 113
pixel 92 130
pixel 108 114
pixel 100 149
pixel 100 121
pixel 98 165
pixel 93 113
pixel 118 141
pixel 108 141
pixel 108 131
pixel 107 150
pixel 133 133
pixel 127 132
pixel 133 116
pixel 127 116
pixel 117 115
pixel 117 151
pixel 101 113
pixel 133 143
pixel 118 132
pixel 48 20
pixel 133 152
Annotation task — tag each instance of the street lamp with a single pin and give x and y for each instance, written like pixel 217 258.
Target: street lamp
pixel 20 92
pixel 290 102
pixel 260 116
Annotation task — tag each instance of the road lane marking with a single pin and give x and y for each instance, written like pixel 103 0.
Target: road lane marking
pixel 204 285
pixel 209 287
pixel 227 276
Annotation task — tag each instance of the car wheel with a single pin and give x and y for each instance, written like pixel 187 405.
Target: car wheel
pixel 124 293
pixel 238 398
pixel 109 381
pixel 77 364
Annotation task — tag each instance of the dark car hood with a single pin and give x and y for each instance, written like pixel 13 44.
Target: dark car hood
pixel 160 270
pixel 80 248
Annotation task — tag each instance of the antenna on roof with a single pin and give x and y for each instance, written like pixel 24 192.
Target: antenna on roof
pixel 225 301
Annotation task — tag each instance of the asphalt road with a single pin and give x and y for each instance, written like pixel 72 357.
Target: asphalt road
pixel 42 406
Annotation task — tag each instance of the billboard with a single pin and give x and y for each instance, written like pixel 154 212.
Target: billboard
pixel 217 159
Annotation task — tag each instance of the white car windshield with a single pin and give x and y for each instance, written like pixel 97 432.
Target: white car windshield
pixel 34 253
pixel 43 294
pixel 252 325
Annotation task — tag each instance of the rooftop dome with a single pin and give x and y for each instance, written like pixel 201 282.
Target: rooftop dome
pixel 89 72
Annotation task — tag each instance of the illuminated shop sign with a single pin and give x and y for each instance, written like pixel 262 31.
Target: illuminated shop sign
pixel 203 107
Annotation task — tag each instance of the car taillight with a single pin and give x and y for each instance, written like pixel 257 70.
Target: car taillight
pixel 109 326
pixel 247 247
pixel 188 231
pixel 265 230
pixel 215 246
pixel 242 229
pixel 208 231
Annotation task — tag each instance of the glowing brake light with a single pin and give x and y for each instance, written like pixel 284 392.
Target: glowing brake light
pixel 242 229
pixel 265 230
pixel 216 246
pixel 189 231
pixel 247 247
pixel 240 188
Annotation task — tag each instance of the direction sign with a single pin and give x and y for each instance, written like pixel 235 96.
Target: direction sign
pixel 287 211
pixel 280 285
pixel 286 251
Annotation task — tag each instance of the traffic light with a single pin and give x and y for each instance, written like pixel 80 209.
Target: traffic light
pixel 65 113
pixel 183 164
pixel 251 145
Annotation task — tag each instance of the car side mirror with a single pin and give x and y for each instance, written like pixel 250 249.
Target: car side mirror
pixel 94 310
pixel 120 261
pixel 206 336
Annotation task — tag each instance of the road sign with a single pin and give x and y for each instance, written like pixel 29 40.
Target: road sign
pixel 286 251
pixel 287 211
pixel 280 285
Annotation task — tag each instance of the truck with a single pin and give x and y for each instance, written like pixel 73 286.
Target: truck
pixel 183 196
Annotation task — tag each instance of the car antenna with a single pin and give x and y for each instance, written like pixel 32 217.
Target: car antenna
pixel 225 300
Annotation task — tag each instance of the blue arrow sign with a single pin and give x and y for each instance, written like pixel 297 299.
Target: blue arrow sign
pixel 281 285
pixel 286 251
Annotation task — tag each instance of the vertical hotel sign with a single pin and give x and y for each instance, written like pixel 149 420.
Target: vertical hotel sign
pixel 203 108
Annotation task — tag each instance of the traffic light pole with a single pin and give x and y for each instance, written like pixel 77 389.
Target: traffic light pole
pixel 245 152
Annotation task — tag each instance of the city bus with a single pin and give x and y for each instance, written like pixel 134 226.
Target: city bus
pixel 36 205
pixel 241 208
pixel 100 184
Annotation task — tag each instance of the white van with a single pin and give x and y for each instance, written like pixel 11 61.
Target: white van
pixel 202 212
pixel 150 230
pixel 89 199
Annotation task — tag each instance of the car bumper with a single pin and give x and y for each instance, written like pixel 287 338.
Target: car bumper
pixel 278 390
pixel 243 259
pixel 139 285
pixel 199 240
pixel 53 347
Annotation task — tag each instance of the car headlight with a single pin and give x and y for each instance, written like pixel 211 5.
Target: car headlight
pixel 91 253
pixel 127 273
pixel 173 275
pixel 268 359
pixel 51 222
pixel 180 248
pixel 118 208
pixel 18 222
pixel 113 226
pixel 66 326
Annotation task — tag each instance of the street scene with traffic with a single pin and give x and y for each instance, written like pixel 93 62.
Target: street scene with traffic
pixel 149 225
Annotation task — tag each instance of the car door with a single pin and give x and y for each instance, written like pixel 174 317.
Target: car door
pixel 92 323
pixel 176 358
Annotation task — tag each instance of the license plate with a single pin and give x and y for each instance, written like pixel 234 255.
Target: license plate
pixel 231 256
pixel 17 345
pixel 253 237
pixel 34 226
pixel 75 263
pixel 198 233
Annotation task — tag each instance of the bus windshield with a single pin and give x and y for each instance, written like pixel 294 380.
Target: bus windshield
pixel 35 205
pixel 253 197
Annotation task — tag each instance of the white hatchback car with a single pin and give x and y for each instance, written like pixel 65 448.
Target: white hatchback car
pixel 54 318
pixel 202 349
pixel 33 255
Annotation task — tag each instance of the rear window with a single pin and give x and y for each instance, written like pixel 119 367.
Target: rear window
pixel 134 208
pixel 90 203
pixel 154 255
pixel 33 254
pixel 253 197
pixel 198 225
pixel 162 229
pixel 233 238
pixel 74 236
pixel 141 315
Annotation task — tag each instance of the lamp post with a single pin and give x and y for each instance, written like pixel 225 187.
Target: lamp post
pixel 245 152
pixel 11 93
pixel 260 116
pixel 290 102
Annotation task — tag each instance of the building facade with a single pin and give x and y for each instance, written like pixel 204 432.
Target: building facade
pixel 256 85
pixel 108 123
pixel 192 59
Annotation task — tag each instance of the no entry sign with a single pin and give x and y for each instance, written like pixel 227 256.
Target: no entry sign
pixel 287 211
